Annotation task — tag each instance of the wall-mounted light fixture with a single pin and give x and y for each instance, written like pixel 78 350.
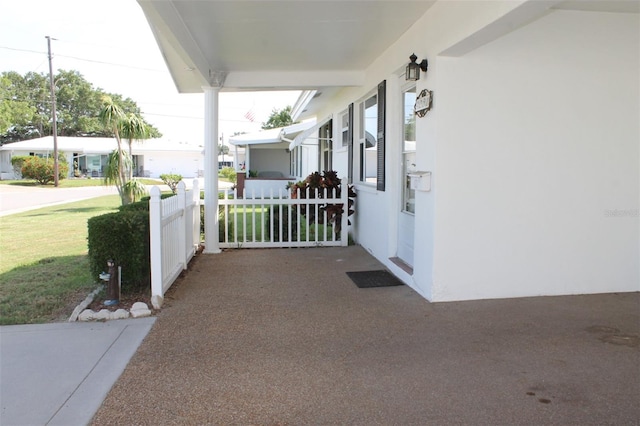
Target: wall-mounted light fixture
pixel 413 69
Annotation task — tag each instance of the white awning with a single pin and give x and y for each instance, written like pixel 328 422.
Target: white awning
pixel 271 136
pixel 298 140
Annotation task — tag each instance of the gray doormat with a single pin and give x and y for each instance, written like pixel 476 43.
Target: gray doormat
pixel 368 279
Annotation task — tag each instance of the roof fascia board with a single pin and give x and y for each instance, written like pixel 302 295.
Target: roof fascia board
pixel 301 103
pixel 292 80
pixel 175 41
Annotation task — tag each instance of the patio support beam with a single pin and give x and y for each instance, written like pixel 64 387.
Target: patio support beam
pixel 211 96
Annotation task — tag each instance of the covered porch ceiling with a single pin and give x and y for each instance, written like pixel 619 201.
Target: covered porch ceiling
pixel 275 45
pixel 318 46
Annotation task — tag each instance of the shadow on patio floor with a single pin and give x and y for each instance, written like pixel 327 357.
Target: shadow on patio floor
pixel 283 336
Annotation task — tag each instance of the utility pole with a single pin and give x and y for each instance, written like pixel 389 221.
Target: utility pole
pixel 53 115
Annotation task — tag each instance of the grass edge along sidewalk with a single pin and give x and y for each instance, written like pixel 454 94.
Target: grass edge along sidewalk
pixel 44 267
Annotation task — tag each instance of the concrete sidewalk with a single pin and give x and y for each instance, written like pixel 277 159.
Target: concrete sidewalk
pixel 282 336
pixel 59 374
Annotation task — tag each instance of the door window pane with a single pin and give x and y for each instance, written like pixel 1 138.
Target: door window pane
pixel 409 150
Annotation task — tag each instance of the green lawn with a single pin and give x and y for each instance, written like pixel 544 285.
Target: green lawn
pixel 44 264
pixel 250 221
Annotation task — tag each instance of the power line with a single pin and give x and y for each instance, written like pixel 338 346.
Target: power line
pixel 111 63
pixel 84 60
pixel 23 50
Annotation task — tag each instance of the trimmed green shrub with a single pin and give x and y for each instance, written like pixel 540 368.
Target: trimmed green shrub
pixel 42 170
pixel 171 180
pixel 229 173
pixel 124 237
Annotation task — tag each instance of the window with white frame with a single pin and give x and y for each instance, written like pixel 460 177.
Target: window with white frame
pixel 344 129
pixel 368 140
pixel 371 138
pixel 325 159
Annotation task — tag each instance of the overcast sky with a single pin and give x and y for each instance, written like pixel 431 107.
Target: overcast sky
pixel 111 45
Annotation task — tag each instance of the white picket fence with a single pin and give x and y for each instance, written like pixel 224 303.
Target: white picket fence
pixel 269 219
pixel 250 222
pixel 174 235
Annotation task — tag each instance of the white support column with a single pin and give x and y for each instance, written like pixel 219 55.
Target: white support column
pixel 211 169
pixel 247 160
pixel 236 159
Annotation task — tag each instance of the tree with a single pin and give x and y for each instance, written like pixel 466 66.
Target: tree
pixel 22 102
pixel 25 106
pixel 13 112
pixel 279 118
pixel 171 180
pixel 129 190
pixel 119 170
pixel 134 128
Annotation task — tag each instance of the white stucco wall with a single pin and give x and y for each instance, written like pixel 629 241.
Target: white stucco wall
pixel 537 161
pixel 186 164
pixel 533 147
pixel 265 159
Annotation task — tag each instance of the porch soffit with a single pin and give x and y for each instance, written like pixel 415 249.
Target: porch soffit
pixel 271 45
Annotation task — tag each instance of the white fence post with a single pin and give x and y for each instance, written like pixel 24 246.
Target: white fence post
pixel 344 226
pixel 182 237
pixel 195 230
pixel 155 241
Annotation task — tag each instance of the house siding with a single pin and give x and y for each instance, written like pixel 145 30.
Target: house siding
pixel 537 139
pixel 533 145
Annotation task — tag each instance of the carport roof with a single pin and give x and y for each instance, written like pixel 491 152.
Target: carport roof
pixel 272 136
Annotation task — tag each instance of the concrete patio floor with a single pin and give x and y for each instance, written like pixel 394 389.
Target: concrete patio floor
pixel 282 336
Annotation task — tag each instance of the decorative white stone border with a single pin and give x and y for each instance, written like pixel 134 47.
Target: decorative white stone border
pixel 83 305
pixel 81 313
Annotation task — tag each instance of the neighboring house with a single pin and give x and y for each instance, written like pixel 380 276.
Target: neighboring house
pixel 523 177
pixel 274 157
pixel 273 150
pixel 151 157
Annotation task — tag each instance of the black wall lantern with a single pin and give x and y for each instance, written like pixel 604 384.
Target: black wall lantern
pixel 413 69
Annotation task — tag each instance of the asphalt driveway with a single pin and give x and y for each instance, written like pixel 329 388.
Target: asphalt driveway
pixel 16 198
pixel 283 336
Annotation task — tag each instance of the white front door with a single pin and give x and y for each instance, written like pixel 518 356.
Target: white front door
pixel 406 218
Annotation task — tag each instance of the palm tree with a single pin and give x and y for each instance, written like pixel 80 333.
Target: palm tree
pixel 133 128
pixel 110 115
pixel 131 190
pixel 119 170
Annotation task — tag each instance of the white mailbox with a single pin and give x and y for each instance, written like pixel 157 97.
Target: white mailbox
pixel 420 181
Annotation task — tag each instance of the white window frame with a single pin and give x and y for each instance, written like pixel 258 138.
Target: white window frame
pixel 361 119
